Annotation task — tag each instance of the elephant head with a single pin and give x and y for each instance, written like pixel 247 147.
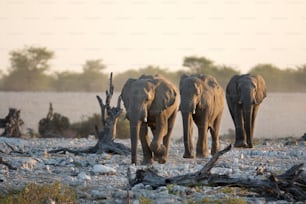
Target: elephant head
pixel 146 99
pixel 244 94
pixel 192 90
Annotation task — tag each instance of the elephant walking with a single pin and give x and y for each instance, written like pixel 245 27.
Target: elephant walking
pixel 244 93
pixel 202 102
pixel 150 101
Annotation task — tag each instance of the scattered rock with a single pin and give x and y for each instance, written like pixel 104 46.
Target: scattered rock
pixel 83 176
pixel 104 178
pixel 102 169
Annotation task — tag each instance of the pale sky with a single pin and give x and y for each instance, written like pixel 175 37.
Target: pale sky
pixel 132 34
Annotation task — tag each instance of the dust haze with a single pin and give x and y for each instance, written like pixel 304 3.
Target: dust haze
pixel 280 114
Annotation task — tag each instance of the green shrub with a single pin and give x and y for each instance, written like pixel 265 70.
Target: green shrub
pixel 144 200
pixel 87 126
pixel 123 127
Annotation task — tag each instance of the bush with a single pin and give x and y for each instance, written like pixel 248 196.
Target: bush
pixel 87 127
pixel 123 127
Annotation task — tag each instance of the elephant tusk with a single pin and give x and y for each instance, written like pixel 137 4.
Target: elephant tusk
pixel 193 112
pixel 145 120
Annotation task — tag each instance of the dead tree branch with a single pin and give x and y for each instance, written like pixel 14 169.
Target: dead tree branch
pixel 290 185
pixel 12 123
pixel 107 134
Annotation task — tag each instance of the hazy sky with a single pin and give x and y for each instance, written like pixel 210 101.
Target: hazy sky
pixel 132 34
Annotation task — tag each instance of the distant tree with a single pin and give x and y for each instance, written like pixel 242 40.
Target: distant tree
pixel 92 79
pixel 95 66
pixel 203 65
pixel 121 78
pixel 200 65
pixel 27 69
pixel 153 70
pixel 224 73
pixel 67 81
pixel 300 75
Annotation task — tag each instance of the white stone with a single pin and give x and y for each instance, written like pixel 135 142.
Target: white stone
pixel 102 169
pixel 138 187
pixel 28 163
pixel 84 176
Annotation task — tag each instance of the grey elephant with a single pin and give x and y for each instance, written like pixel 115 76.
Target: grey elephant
pixel 244 93
pixel 150 101
pixel 202 102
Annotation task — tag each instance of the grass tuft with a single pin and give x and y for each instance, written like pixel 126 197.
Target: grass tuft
pixel 38 194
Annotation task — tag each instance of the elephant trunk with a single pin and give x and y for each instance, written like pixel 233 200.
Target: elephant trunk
pixel 134 134
pixel 186 106
pixel 188 134
pixel 138 113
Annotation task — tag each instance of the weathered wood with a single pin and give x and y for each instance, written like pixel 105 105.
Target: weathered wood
pixel 290 185
pixel 7 164
pixel 107 134
pixel 11 123
pixel 150 177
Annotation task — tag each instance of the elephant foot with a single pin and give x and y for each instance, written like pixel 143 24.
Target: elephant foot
pixel 188 156
pixel 202 155
pixel 158 150
pixel 160 158
pixel 240 144
pixel 250 145
pixel 214 151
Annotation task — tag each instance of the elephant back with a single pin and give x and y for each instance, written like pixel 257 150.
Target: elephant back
pixel 207 86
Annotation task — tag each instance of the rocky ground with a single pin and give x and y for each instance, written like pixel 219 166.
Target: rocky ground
pixel 103 178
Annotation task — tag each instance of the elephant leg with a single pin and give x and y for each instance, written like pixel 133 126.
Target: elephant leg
pixel 202 143
pixel 239 126
pixel 166 140
pixel 157 146
pixel 134 132
pixel 253 117
pixel 215 146
pixel 145 141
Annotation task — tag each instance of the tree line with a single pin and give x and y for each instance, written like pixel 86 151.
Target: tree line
pixel 30 70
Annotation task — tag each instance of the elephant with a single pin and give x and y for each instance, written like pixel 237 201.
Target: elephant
pixel 150 101
pixel 244 93
pixel 202 102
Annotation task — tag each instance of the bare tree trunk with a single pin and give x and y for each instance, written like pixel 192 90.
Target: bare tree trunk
pixel 107 135
pixel 11 123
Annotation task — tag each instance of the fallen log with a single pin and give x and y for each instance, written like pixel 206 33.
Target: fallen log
pixel 290 185
pixel 107 134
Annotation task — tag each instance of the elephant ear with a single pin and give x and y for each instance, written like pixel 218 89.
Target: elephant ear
pixel 261 91
pixel 232 92
pixel 125 92
pixel 165 95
